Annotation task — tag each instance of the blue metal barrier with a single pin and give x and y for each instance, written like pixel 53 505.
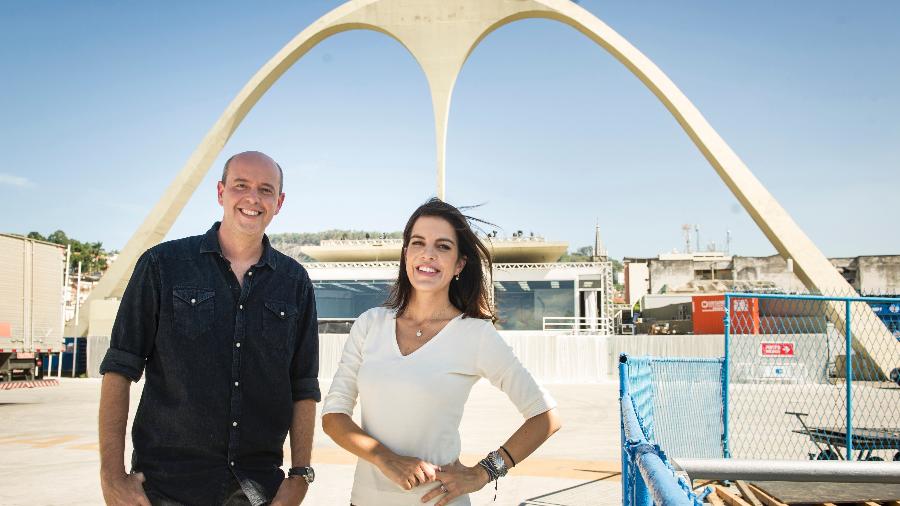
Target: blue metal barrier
pixel 647 477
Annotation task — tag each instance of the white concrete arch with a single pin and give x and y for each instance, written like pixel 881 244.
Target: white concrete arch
pixel 441 34
pixel 163 215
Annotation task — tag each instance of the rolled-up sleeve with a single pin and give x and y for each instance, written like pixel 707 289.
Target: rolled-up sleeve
pixel 134 330
pixel 497 362
pixel 344 391
pixel 305 362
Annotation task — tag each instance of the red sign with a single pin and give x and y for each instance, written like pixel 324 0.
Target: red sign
pixel 708 314
pixel 776 349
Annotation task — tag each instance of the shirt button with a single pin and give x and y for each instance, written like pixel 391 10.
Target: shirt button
pixel 282 313
pixel 241 306
pixel 193 301
pixel 238 345
pixel 234 424
pixel 232 463
pixel 249 273
pixel 236 383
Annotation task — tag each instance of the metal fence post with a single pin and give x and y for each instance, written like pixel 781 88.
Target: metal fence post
pixel 725 380
pixel 849 363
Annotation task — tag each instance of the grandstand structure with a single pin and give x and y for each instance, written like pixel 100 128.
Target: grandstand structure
pixel 531 291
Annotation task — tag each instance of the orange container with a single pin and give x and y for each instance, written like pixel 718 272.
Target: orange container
pixel 708 314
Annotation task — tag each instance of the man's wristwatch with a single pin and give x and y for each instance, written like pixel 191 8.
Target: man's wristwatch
pixel 306 473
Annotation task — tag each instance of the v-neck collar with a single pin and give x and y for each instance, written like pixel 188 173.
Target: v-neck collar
pixel 427 343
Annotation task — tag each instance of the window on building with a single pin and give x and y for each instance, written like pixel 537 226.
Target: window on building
pixel 522 305
pixel 349 299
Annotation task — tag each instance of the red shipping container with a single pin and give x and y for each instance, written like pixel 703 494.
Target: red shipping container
pixel 708 314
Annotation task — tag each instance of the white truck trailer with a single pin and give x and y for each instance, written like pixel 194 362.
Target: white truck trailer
pixel 32 303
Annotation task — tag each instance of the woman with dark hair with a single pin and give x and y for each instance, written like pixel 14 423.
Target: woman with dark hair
pixel 413 363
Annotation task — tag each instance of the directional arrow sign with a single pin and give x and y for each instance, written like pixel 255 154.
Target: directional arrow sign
pixel 772 349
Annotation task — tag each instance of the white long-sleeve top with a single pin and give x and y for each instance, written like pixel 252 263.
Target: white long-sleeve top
pixel 413 404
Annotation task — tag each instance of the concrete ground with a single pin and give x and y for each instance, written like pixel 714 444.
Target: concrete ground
pixel 48 443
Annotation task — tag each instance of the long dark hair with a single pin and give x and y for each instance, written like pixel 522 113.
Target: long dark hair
pixel 470 293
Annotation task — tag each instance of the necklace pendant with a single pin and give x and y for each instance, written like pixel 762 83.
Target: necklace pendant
pixel 418 333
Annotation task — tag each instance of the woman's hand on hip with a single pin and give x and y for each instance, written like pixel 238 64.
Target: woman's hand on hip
pixel 456 480
pixel 407 472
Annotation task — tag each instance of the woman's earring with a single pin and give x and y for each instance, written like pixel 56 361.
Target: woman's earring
pixel 457 277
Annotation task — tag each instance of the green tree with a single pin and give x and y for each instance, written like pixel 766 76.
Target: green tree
pixel 582 254
pixel 92 256
pixel 59 237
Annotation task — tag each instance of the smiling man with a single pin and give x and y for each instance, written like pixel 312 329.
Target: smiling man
pixel 225 327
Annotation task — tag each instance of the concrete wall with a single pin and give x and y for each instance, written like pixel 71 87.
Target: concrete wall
pixel 637 281
pixel 813 360
pixel 670 273
pixel 878 275
pixel 96 350
pixel 102 317
pixel 847 267
pixel 550 358
pixel 772 268
pixel 870 275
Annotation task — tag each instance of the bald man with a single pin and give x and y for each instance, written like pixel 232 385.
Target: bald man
pixel 225 328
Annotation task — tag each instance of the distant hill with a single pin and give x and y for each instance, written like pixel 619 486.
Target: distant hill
pixel 290 243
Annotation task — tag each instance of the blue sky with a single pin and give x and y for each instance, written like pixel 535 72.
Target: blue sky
pixel 103 102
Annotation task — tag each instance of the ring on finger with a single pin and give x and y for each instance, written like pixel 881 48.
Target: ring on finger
pixel 444 489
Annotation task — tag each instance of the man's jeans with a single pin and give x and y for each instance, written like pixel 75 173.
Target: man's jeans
pixel 232 495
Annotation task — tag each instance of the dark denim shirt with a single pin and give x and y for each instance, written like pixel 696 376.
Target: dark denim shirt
pixel 224 365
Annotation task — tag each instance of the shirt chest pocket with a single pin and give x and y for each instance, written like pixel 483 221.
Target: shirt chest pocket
pixel 194 310
pixel 279 325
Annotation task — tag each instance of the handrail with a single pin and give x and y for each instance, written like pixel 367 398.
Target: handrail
pixel 578 324
pixel 834 471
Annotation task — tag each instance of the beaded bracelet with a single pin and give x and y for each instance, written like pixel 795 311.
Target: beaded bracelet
pixel 495 467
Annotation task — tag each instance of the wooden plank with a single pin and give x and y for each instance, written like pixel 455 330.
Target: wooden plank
pixel 703 484
pixel 714 499
pixel 748 494
pixel 828 492
pixel 765 498
pixel 729 498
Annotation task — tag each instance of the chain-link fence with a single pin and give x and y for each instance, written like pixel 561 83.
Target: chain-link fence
pixel 647 475
pixel 679 401
pixel 812 377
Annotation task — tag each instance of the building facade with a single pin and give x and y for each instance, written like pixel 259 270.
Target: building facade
pixel 718 272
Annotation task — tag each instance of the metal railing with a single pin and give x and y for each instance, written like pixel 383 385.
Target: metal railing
pixel 578 325
pixel 361 242
pixel 810 372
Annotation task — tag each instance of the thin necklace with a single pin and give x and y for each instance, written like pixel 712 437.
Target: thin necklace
pixel 427 322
